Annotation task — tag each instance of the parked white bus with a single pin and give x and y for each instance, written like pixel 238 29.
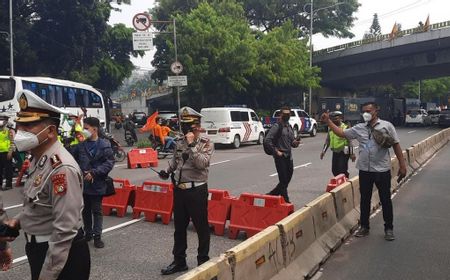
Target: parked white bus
pixel 61 93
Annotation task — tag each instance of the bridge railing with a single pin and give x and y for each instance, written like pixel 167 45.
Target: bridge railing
pixel 384 37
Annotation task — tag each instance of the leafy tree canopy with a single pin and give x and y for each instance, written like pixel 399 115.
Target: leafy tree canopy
pixel 69 40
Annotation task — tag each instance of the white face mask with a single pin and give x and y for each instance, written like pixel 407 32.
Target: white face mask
pixel 2 123
pixel 26 141
pixel 367 116
pixel 87 133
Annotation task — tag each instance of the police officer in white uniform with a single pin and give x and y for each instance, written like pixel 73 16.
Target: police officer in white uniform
pixel 189 171
pixel 53 196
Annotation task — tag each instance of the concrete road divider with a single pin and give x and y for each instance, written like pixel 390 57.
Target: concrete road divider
pixel 329 233
pixel 154 198
pixel 120 200
pixel 259 257
pixel 412 154
pixel 303 254
pixel 215 269
pixel 395 167
pixel 347 216
pixel 356 194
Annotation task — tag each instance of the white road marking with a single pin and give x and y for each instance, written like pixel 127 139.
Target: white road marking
pixel 24 258
pixel 219 162
pixel 412 131
pixel 119 165
pixel 303 165
pixel 13 206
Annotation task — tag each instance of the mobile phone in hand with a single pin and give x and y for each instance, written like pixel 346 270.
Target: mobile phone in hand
pixel 6 231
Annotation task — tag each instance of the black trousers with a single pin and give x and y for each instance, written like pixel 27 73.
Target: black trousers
pixel 77 267
pixel 191 204
pixel 5 168
pixel 382 181
pixel 285 169
pixel 339 163
pixel 93 215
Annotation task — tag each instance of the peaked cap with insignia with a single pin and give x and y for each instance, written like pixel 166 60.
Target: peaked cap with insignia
pixel 189 115
pixel 33 108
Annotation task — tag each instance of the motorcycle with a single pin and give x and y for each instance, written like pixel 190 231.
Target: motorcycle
pixel 162 151
pixel 118 151
pixel 129 138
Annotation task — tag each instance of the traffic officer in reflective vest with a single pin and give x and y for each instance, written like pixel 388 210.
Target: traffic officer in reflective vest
pixel 342 148
pixel 53 196
pixel 189 172
pixel 6 153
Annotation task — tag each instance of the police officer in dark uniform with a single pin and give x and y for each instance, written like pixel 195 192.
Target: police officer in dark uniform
pixel 53 196
pixel 189 172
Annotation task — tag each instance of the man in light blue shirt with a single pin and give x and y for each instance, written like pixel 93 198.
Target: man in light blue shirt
pixel 374 164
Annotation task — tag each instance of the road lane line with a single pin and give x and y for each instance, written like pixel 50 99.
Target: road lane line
pixel 119 165
pixel 303 165
pixel 13 206
pixel 24 258
pixel 412 131
pixel 219 162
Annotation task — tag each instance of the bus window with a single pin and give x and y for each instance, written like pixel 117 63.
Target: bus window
pixel 69 96
pixel 59 96
pixel 7 89
pixel 43 93
pixel 52 95
pixel 95 100
pixel 30 86
pixel 85 96
pixel 79 97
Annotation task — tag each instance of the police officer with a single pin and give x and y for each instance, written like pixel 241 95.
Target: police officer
pixel 53 196
pixel 6 153
pixel 189 173
pixel 341 147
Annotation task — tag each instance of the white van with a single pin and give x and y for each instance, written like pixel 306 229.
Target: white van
pixel 232 125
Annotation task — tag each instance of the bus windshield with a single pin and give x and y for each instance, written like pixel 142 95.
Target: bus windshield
pixel 7 87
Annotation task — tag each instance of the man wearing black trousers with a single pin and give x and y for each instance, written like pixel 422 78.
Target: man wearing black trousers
pixel 281 140
pixel 189 172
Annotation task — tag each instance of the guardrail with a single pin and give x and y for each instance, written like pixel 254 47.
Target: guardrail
pixel 295 247
pixel 384 37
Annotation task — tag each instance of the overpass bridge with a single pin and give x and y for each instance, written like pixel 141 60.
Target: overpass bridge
pixel 412 54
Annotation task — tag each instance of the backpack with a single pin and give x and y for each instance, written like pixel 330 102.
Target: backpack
pixel 267 148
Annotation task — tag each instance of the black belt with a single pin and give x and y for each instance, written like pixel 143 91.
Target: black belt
pixel 30 238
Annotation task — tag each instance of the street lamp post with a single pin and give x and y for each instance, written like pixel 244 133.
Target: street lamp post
pixel 311 17
pixel 11 44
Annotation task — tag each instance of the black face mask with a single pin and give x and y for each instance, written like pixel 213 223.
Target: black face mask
pixel 186 128
pixel 285 118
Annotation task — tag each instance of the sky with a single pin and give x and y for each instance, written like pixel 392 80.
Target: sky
pixel 406 12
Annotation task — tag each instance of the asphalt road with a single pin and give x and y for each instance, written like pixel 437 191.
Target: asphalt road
pixel 140 250
pixel 421 249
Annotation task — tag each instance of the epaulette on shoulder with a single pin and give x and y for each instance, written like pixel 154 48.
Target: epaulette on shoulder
pixel 55 161
pixel 204 139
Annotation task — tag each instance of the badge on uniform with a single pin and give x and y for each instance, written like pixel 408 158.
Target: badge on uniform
pixel 37 180
pixel 42 161
pixel 59 184
pixel 56 161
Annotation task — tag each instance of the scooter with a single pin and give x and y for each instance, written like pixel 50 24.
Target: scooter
pixel 129 138
pixel 160 149
pixel 118 151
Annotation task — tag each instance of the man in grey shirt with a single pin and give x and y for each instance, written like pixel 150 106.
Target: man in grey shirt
pixel 280 139
pixel 374 164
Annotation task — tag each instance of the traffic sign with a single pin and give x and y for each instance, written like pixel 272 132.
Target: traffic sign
pixel 142 21
pixel 142 41
pixel 177 81
pixel 176 67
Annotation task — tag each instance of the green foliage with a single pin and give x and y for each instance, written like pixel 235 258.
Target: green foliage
pixel 429 89
pixel 375 28
pixel 69 40
pixel 144 143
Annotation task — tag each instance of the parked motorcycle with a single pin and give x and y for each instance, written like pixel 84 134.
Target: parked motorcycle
pixel 129 138
pixel 162 151
pixel 118 151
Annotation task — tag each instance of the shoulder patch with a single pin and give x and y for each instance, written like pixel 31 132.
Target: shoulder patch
pixel 55 160
pixel 59 184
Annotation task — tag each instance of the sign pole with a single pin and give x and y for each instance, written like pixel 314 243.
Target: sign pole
pixel 176 59
pixel 11 38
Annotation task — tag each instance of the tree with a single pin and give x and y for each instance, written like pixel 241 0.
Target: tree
pixel 70 40
pixel 375 28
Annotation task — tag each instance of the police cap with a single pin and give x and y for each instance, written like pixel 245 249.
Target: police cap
pixel 336 114
pixel 189 115
pixel 33 108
